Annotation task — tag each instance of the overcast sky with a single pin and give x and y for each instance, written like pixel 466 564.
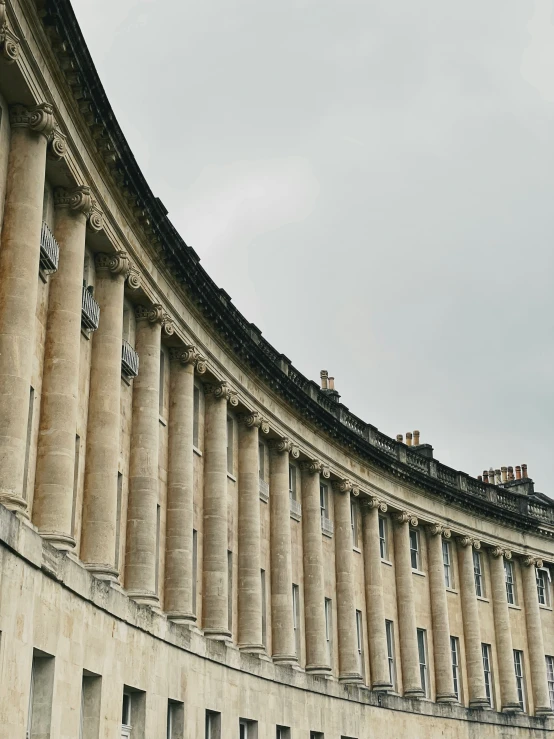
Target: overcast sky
pixel 373 184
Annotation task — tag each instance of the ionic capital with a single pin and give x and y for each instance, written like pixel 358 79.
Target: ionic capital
pixel 168 327
pixel 9 42
pixel 151 313
pixel 280 446
pixel 346 486
pixel 133 278
pixel 222 391
pixel 530 561
pixel 406 517
pixel 497 552
pixel 57 145
pixel 468 541
pixel 315 466
pixel 78 199
pixel 374 502
pixel 188 355
pixel 255 420
pixel 39 118
pixel 117 264
pixel 437 529
pixel 95 221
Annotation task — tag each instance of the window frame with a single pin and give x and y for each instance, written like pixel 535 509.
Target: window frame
pixel 423 660
pixel 486 654
pixel 510 580
pixel 478 576
pixel 542 574
pixel 520 678
pixel 360 642
pixel 230 445
pixel 296 618
pixel 324 500
pixel 447 564
pixel 456 667
pixel 354 523
pixel 196 417
pixel 389 636
pixel 293 482
pixel 549 663
pixel 383 539
pixel 415 553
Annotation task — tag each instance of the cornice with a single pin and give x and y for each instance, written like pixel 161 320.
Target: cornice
pixel 242 338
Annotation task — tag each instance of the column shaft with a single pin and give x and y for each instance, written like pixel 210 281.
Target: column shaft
pixel 249 557
pixel 317 657
pixel 503 635
pixel 180 491
pixel 55 475
pixel 535 638
pixel 444 683
pixel 141 556
pixel 19 266
pixel 215 592
pixel 406 611
pixel 282 619
pixel 349 667
pixel 99 534
pixel 378 659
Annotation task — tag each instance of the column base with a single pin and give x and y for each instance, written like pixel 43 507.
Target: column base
pixel 62 542
pixel 103 571
pixel 217 634
pixel 414 693
pixel 285 659
pixel 252 648
pixel 318 670
pixel 511 708
pixel 350 678
pixel 14 503
pixel 381 687
pixel 446 698
pixel 479 704
pixel 144 598
pixel 185 619
pixel 544 711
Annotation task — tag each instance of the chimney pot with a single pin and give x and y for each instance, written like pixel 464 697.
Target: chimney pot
pixel 416 438
pixel 518 472
pixel 497 477
pixel 524 471
pixel 331 383
pixel 504 474
pixel 479 478
pixel 409 438
pixel 399 438
pixel 510 473
pixel 324 375
pixel 485 477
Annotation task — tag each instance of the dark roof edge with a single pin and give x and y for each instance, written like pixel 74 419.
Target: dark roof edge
pixel 243 338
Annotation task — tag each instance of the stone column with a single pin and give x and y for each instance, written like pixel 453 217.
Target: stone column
pixel 180 485
pixel 378 656
pixel 19 266
pixel 282 618
pixel 317 657
pixel 142 542
pixel 55 475
pixel 215 592
pixel 407 628
pixel 99 534
pixel 472 629
pixel 444 684
pixel 249 555
pixel 503 635
pixel 535 641
pixel 349 667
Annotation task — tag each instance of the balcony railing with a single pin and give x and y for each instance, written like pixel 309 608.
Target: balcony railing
pixel 129 360
pixel 49 250
pixel 295 509
pixel 327 526
pixel 90 311
pixel 264 490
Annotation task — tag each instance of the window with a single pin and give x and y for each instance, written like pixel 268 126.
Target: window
pixel 354 522
pixel 118 519
pixel 456 675
pixel 414 548
pixel 157 572
pixel 30 415
pixel 329 626
pixel 518 667
pixel 248 729
pixel 213 725
pixel 133 714
pixel 39 717
pixel 264 610
pixel 422 650
pixel 292 482
pixel 261 460
pixel 542 586
pixel 90 706
pixel 175 720
pixel 162 379
pixel 324 501
pixel 478 574
pixel 230 591
pixel 194 568
pixel 296 617
pixel 76 467
pixel 447 563
pixel 510 584
pixel 550 678
pixel 360 642
pixel 389 629
pixel 317 735
pixel 230 443
pixel 126 715
pixel 383 537
pixel 487 670
pixel 196 417
pixel 282 732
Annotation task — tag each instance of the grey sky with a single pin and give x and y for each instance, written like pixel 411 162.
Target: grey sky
pixel 372 182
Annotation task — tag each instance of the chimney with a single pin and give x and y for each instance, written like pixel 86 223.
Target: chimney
pixel 491 476
pixel 399 438
pixel 479 478
pixel 324 375
pixel 409 438
pixel 524 471
pixel 518 472
pixel 416 438
pixel 504 473
pixel 485 477
pixel 497 477
pixel 331 383
pixel 510 473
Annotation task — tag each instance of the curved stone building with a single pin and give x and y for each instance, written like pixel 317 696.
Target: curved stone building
pixel 196 540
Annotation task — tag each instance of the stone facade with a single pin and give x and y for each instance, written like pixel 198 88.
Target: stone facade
pixel 192 534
